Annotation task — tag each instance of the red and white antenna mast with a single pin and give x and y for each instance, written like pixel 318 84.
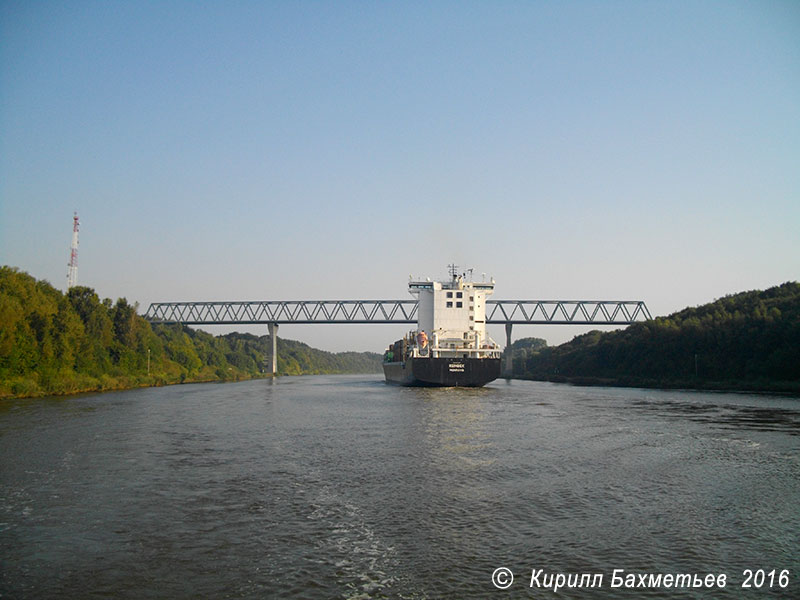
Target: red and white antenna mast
pixel 72 273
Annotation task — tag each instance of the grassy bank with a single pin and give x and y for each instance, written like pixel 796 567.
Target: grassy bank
pixel 71 383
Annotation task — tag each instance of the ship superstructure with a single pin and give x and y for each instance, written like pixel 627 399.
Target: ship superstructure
pixel 450 346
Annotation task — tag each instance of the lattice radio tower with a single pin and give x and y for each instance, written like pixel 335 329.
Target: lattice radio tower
pixel 72 273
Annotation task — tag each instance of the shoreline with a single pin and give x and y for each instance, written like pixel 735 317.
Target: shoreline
pixel 121 386
pixel 782 388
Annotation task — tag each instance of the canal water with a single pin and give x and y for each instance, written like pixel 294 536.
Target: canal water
pixel 344 487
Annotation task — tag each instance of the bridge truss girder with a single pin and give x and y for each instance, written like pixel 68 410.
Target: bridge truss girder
pixel 498 312
pixel 283 312
pixel 566 312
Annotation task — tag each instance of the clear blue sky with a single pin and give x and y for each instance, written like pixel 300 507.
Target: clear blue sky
pixel 327 150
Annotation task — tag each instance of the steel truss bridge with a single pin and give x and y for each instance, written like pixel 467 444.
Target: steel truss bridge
pixel 498 312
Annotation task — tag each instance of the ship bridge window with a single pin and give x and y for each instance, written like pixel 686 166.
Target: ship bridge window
pixel 449 294
pixel 459 305
pixel 449 305
pixel 459 295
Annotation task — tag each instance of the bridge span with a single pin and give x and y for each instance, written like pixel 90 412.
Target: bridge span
pixel 498 312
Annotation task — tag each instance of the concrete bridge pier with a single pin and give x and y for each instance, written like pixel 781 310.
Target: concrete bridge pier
pixel 509 359
pixel 273 336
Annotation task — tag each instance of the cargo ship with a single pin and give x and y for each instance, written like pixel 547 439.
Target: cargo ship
pixel 450 346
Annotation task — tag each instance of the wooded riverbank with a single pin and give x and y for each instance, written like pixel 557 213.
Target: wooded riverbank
pixel 743 342
pixel 52 343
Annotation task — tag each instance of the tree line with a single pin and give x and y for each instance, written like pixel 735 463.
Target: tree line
pixel 749 340
pixel 57 343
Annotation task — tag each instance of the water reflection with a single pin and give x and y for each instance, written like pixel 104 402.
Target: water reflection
pixel 453 421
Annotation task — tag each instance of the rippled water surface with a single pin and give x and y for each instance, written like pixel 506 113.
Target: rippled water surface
pixel 344 487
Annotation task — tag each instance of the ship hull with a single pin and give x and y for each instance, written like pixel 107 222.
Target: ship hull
pixel 443 372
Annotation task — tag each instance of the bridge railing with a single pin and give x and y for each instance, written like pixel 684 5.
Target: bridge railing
pixel 508 312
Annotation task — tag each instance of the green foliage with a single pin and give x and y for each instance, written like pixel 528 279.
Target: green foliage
pixel 751 338
pixel 55 343
pixel 295 358
pixel 523 349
